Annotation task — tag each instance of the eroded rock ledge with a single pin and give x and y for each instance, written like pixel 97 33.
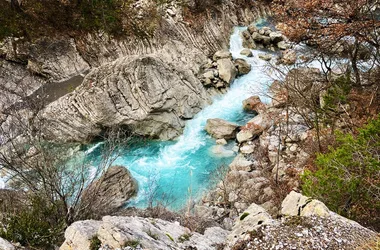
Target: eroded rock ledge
pixel 304 223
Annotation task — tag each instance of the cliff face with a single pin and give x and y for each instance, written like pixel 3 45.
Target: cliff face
pixel 149 82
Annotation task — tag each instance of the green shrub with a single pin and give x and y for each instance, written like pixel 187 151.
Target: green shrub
pixel 242 217
pixel 37 225
pixel 184 237
pixel 132 243
pixel 347 178
pixel 95 243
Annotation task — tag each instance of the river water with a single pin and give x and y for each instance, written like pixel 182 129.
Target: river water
pixel 172 173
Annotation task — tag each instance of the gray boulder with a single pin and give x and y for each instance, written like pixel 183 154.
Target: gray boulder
pixel 117 232
pixel 246 52
pixel 249 43
pixel 283 45
pixel 265 57
pixel 117 183
pixel 227 70
pixel 222 54
pixel 219 128
pixel 276 37
pixel 252 28
pixel 242 66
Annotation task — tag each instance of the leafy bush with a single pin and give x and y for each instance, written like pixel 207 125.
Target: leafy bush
pixel 347 178
pixel 37 18
pixel 37 225
pixel 95 243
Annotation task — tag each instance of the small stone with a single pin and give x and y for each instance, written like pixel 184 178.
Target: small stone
pixel 265 57
pixel 247 149
pixel 246 52
pixel 221 141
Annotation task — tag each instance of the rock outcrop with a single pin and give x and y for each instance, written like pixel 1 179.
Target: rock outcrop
pixel 148 233
pixel 221 70
pixel 254 38
pixel 306 224
pixel 221 129
pixel 153 95
pixel 99 102
pixel 110 192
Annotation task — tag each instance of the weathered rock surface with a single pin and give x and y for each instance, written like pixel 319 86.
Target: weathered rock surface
pixel 138 92
pixel 253 104
pixel 317 228
pixel 254 127
pixel 242 67
pixel 6 245
pixel 263 38
pixel 26 66
pixel 219 128
pixel 227 70
pixel 115 232
pixel 117 183
pixel 246 52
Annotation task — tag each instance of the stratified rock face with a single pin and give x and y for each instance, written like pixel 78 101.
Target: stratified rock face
pixel 219 128
pixel 110 192
pixel 150 94
pixel 116 232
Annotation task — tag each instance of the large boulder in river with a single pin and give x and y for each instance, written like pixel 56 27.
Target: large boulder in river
pixel 110 192
pixel 227 70
pixel 219 128
pixel 246 52
pixel 242 66
pixel 254 127
pixel 253 104
pixel 222 54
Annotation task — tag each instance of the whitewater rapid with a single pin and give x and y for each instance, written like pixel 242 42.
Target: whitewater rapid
pixel 172 173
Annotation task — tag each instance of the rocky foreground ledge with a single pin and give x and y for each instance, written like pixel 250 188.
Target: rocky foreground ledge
pixel 305 224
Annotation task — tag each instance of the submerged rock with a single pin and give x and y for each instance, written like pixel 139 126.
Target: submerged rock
pixel 219 128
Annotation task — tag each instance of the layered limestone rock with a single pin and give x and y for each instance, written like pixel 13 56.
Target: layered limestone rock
pixel 80 115
pixel 117 232
pixel 153 95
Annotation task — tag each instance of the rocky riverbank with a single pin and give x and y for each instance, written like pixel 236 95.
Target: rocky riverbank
pixel 305 224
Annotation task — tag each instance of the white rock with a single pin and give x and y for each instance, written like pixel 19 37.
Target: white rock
pixel 247 149
pixel 221 141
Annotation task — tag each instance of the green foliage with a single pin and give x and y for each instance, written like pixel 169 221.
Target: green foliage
pixel 337 93
pixel 242 217
pixel 37 18
pixel 95 243
pixel 132 243
pixel 348 177
pixel 184 237
pixel 170 237
pixel 37 225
